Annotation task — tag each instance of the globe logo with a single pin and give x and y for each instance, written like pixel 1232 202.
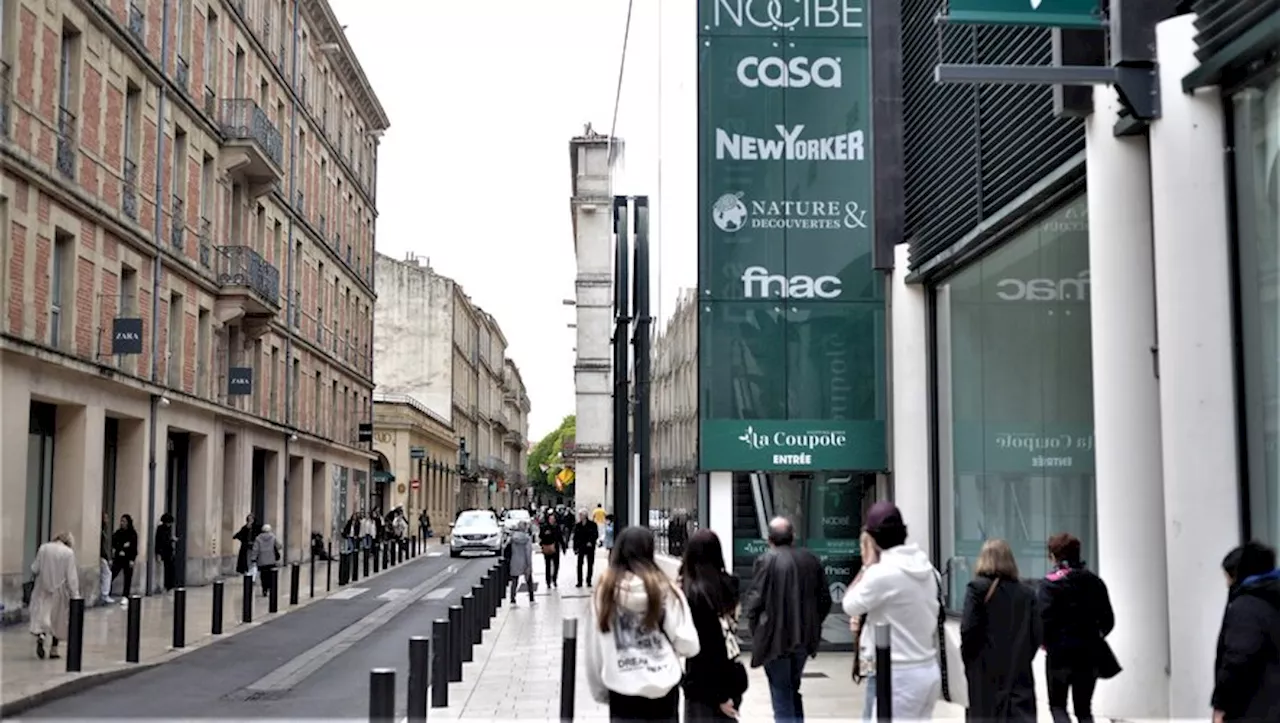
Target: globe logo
pixel 729 212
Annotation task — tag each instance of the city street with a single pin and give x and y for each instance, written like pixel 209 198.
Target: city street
pixel 312 663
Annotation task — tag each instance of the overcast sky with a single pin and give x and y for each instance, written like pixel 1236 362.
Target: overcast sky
pixel 483 97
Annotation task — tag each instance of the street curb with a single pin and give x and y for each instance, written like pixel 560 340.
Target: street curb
pixel 78 684
pixel 87 680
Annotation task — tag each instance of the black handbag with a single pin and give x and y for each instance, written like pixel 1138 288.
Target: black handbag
pixel 28 587
pixel 1105 661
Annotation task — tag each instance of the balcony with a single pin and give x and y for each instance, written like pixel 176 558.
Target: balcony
pixel 129 190
pixel 513 438
pixel 137 23
pixel 206 244
pixel 249 286
pixel 5 79
pixel 178 231
pixel 182 74
pixel 253 149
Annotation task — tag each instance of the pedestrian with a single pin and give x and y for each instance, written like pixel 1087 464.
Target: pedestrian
pixel 124 555
pixel 584 538
pixel 641 627
pixel 1000 633
pixel 785 608
pixel 608 533
pixel 1075 610
pixel 266 557
pixel 247 533
pixel 56 582
pixel 167 549
pixel 714 679
pixel 424 525
pixel 521 559
pixel 899 587
pixel 1247 666
pixel 551 541
pixel 598 516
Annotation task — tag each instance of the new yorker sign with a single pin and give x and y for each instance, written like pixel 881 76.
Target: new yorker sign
pixel 792 312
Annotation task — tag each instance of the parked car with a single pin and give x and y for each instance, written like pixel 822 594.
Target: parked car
pixel 514 517
pixel 475 531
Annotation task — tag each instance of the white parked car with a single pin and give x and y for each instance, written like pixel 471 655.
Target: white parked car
pixel 513 518
pixel 475 531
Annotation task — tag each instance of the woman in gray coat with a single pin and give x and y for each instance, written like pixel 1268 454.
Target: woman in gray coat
pixel 522 559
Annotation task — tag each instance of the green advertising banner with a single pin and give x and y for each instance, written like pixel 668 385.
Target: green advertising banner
pixel 792 315
pixel 1039 13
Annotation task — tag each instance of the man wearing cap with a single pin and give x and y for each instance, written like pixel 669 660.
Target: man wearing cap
pixel 788 601
pixel 899 586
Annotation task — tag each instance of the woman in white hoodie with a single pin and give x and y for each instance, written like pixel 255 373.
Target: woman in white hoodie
pixel 640 630
pixel 898 586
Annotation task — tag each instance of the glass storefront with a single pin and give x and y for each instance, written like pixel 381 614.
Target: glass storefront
pixel 1015 398
pixel 1256 133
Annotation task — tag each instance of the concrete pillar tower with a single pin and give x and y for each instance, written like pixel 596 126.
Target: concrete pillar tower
pixel 1126 413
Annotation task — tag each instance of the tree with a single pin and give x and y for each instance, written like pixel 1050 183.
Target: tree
pixel 548 453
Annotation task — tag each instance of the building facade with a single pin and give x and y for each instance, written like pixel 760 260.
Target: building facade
pixel 417 464
pixel 188 208
pixel 1088 344
pixel 674 394
pixel 592 160
pixel 432 343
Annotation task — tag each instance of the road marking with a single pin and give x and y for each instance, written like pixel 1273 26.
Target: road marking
pixel 303 666
pixel 439 593
pixel 435 554
pixel 394 593
pixel 349 593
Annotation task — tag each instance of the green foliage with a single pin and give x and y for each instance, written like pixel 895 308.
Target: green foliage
pixel 548 451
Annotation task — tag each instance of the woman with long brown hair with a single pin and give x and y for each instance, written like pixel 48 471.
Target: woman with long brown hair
pixel 999 635
pixel 714 679
pixel 641 628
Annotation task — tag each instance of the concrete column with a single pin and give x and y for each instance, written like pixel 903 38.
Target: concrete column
pixel 320 499
pixel 131 486
pixel 15 395
pixel 274 512
pixel 1197 370
pixel 720 511
pixel 204 511
pixel 1126 414
pixel 77 480
pixel 298 491
pixel 908 313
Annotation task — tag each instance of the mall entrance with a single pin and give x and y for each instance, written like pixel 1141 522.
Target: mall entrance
pixel 827 509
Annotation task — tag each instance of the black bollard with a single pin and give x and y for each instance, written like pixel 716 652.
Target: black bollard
pixel 246 605
pixel 366 563
pixel 273 593
pixel 440 664
pixel 568 668
pixel 884 684
pixel 468 623
pixel 382 695
pixel 455 643
pixel 312 577
pixel 419 654
pixel 328 569
pixel 180 617
pixel 133 631
pixel 216 626
pixel 75 635
pixel 481 592
pixel 378 552
pixel 479 622
pixel 295 576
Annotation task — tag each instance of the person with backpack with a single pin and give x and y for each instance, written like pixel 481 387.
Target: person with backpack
pixel 1247 665
pixel 640 629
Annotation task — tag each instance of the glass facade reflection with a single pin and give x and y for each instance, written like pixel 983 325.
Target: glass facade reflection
pixel 1256 130
pixel 1015 398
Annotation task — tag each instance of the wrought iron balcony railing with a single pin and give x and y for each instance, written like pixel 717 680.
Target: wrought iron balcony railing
pixel 5 79
pixel 129 192
pixel 137 23
pixel 210 101
pixel 323 234
pixel 66 151
pixel 298 200
pixel 182 73
pixel 178 233
pixel 280 57
pixel 242 119
pixel 206 244
pixel 242 266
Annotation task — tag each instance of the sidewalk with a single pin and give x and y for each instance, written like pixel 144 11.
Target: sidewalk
pixel 27 680
pixel 516 670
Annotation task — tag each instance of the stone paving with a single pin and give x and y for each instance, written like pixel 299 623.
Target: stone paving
pixel 516 671
pixel 23 675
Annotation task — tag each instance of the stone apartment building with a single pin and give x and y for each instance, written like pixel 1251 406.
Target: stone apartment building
pixel 432 343
pixel 187 200
pixel 674 399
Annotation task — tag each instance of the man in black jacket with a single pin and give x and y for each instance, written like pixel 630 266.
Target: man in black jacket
pixel 785 607
pixel 1247 668
pixel 585 535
